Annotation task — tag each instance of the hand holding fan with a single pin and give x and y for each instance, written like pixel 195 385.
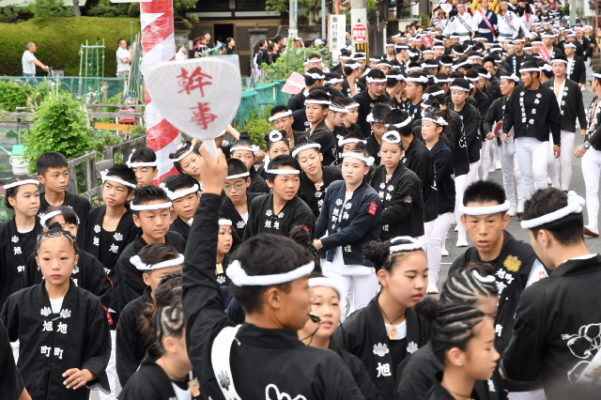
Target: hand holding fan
pixel 199 97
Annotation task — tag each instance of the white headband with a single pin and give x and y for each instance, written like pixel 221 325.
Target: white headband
pixel 141 266
pixel 375 80
pixel 475 79
pixel 369 161
pixel 275 136
pixel 392 137
pixel 239 277
pixel 421 79
pixel 342 141
pixel 312 60
pixel 225 222
pixel 337 109
pixel 384 64
pixel 21 183
pixel 532 69
pixel 461 88
pixel 106 177
pixel 483 279
pixel 595 75
pixel 353 105
pixel 486 75
pixel 45 217
pixel 150 207
pixel 512 77
pixel 334 81
pixel 485 210
pixel 559 60
pixel 280 115
pixel 326 282
pixel 324 102
pixel 437 93
pixel 237 176
pixel 282 171
pixel 440 121
pixel 253 148
pixel 315 76
pixel 178 194
pixel 401 124
pixel 413 245
pixel 436 80
pixel 575 205
pixel 398 77
pixel 304 147
pixel 139 164
pixel 183 155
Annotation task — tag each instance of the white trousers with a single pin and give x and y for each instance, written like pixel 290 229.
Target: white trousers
pixel 111 373
pixel 538 394
pixel 358 290
pixel 435 238
pixel 591 171
pixel 511 175
pixel 532 155
pixel 460 185
pixel 487 158
pixel 560 169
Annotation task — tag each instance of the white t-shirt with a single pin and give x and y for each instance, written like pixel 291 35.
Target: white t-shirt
pixel 56 305
pixel 27 62
pixel 121 65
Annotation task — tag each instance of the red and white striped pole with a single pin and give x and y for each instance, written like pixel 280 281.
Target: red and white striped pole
pixel 158 45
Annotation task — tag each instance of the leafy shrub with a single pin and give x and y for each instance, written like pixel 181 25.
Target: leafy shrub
pixel 13 95
pixel 60 125
pixel 292 61
pixel 51 8
pixel 59 41
pixel 258 126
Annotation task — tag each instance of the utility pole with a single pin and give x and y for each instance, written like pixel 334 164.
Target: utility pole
pixel 324 14
pixel 292 19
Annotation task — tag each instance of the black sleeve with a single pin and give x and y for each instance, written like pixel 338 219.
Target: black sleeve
pixel 508 118
pixel 490 117
pixel 203 304
pixel 471 127
pixel 580 108
pixel 251 228
pixel 321 225
pixel 126 339
pixel 595 138
pixel 401 203
pixel 11 385
pixel 368 217
pixel 97 349
pixel 554 118
pixel 98 281
pixel 129 283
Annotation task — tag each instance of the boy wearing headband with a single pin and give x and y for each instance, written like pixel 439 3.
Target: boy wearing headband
pixel 378 128
pixel 246 151
pixel 184 193
pixel 313 77
pixel 281 118
pixel 269 275
pixel 144 163
pixel 281 210
pixel 556 325
pixel 53 173
pixel 151 207
pixel 375 93
pixel 484 216
pixel 317 109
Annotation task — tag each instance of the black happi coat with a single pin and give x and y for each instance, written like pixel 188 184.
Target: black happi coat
pixel 364 334
pixel 577 72
pixel 443 169
pixel 131 342
pixel 402 202
pixel 417 159
pixel 95 238
pixel 417 374
pixel 128 280
pixel 11 385
pixel 571 106
pixel 15 247
pixel 228 211
pixel 325 137
pixel 261 218
pixel 470 116
pixel 80 204
pixel 349 224
pixel 593 133
pixel 311 196
pixel 297 102
pixel 50 343
pixel 454 134
pixel 150 382
pixel 360 375
pixel 366 103
pixel 287 367
pixel 89 274
pixel 515 62
pixel 556 330
pixel 373 148
pixel 547 118
pixel 437 392
pixel 257 183
pixel 494 114
pixel 179 226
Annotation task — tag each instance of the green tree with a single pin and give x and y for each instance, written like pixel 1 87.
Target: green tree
pixel 51 8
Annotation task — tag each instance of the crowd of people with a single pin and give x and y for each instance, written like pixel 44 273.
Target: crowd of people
pixel 308 268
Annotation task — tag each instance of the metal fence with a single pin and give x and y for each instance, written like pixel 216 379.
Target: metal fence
pixel 93 88
pixel 257 98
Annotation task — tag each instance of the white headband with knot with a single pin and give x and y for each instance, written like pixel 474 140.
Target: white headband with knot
pixel 315 76
pixel 460 88
pixel 575 205
pixel 224 222
pixel 252 148
pixel 512 77
pixel 421 79
pixel 369 161
pixel 375 80
pixel 392 137
pixel 21 183
pixel 437 93
pixel 342 141
pixel 312 60
pixel 413 244
pixel 137 262
pixel 139 164
pixel 184 154
pixel 239 277
pixel 275 136
pixel 324 102
pixel 337 109
pixel 401 124
pixel 439 121
pixel 106 177
pixel 178 194
pixel 483 279
pixel 280 115
pixel 485 210
pixel 304 147
pixel 45 217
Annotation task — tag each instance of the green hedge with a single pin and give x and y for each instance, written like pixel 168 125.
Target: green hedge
pixel 59 40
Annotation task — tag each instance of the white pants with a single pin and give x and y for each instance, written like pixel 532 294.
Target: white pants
pixel 487 159
pixel 472 175
pixel 111 372
pixel 538 394
pixel 532 155
pixel 591 171
pixel 563 163
pixel 460 185
pixel 358 290
pixel 511 175
pixel 435 239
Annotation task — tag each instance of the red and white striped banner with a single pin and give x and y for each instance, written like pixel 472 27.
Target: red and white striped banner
pixel 158 45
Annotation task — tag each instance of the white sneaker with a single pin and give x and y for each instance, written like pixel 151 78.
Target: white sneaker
pixel 444 252
pixel 432 288
pixel 461 243
pixel 511 212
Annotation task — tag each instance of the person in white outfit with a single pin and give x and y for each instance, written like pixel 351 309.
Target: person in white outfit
pixel 29 60
pixel 123 59
pixel 509 23
pixel 460 24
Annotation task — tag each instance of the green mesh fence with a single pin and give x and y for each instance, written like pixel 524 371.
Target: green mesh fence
pixel 96 88
pixel 258 98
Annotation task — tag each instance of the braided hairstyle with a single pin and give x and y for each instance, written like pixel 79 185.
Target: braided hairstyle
pixel 468 284
pixel 454 327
